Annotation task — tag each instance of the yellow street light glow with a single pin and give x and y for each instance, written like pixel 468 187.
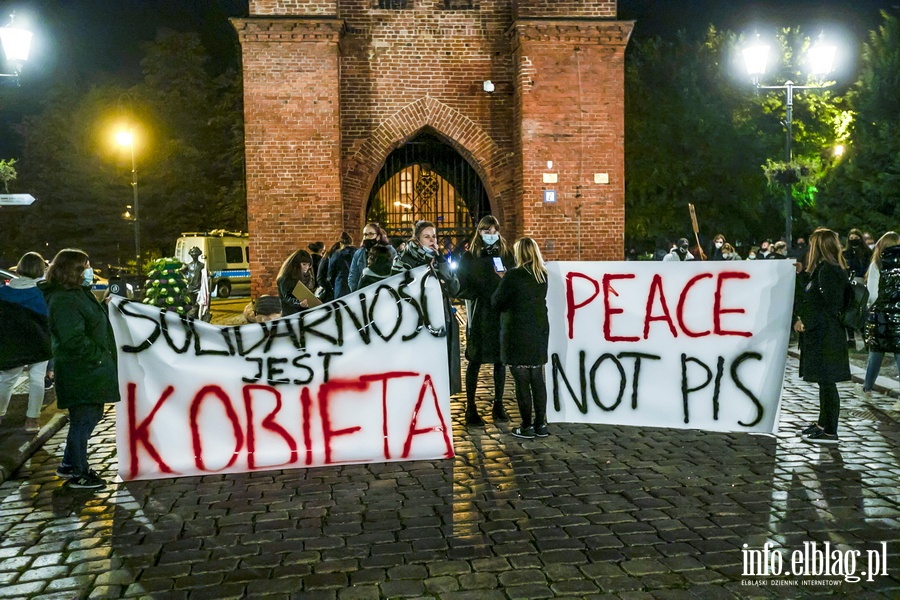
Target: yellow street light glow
pixel 839 150
pixel 124 138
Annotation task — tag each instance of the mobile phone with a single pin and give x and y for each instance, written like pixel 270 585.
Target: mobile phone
pixel 498 265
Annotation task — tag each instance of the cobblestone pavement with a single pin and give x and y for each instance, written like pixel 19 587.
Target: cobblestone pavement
pixel 590 512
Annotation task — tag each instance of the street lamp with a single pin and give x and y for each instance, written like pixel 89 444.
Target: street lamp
pixel 820 59
pixel 126 138
pixel 16 43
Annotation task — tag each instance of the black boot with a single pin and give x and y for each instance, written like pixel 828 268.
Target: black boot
pixel 472 416
pixel 499 413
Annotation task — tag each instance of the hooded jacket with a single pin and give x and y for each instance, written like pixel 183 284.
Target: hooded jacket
pixel 883 323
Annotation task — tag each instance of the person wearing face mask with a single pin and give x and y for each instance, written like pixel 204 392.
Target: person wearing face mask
pixel 716 250
pixel 729 253
pixel 422 249
pixel 480 271
pixel 858 256
pixel 84 351
pixel 372 234
pixel 779 251
pixel 680 252
pixel 869 241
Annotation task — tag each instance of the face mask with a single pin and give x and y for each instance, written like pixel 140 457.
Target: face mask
pixel 855 242
pixel 368 243
pixel 871 246
pixel 88 276
pixel 751 257
pixel 490 239
pixel 725 255
pixel 719 244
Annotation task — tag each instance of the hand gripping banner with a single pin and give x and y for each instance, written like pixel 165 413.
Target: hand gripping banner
pixel 698 345
pixel 360 379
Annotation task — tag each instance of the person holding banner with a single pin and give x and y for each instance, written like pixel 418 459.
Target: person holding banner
pixel 823 350
pixel 84 351
pixel 423 249
pixel 296 269
pixel 521 300
pixel 480 271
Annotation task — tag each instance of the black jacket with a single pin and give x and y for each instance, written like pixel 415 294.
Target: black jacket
pixel 823 344
pixel 24 336
pixel 339 270
pixel 883 324
pixel 524 328
pixel 478 281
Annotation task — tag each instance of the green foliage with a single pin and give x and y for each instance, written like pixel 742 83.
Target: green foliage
pixel 695 134
pixel 188 153
pixel 7 173
pixel 863 190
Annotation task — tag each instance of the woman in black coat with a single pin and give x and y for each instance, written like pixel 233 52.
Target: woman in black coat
pixel 823 349
pixel 84 351
pixel 480 272
pixel 521 299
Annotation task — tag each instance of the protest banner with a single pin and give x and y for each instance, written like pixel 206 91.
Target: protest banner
pixel 698 345
pixel 361 379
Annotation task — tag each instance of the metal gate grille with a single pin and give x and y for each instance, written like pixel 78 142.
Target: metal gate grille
pixel 426 179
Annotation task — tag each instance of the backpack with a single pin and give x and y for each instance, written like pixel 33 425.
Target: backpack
pixel 856 305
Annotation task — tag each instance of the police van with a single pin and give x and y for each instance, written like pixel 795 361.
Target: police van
pixel 227 258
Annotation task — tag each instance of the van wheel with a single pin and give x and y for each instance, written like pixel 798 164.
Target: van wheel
pixel 223 289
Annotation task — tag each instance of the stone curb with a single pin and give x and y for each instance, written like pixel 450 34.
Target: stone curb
pixel 9 464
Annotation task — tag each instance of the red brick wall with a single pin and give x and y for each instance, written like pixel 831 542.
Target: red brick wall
pixel 327 98
pixel 570 111
pixel 565 9
pixel 292 133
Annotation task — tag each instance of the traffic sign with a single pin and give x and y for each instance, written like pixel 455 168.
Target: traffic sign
pixel 16 199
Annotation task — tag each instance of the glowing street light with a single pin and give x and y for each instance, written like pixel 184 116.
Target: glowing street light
pixel 125 137
pixel 16 44
pixel 820 59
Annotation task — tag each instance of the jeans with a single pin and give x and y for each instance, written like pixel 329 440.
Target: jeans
pixel 874 366
pixel 8 379
pixel 82 420
pixel 530 389
pixel 829 407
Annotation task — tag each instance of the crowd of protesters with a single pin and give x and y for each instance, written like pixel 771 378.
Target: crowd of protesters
pixel 504 287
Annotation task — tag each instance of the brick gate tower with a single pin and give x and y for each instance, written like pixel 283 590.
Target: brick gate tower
pixel 396 110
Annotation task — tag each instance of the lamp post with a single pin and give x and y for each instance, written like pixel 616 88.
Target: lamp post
pixel 126 138
pixel 821 60
pixel 16 44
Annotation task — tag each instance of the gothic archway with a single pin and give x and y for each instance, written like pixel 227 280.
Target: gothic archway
pixel 427 179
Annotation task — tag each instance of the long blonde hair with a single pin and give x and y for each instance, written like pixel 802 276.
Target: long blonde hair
pixel 891 238
pixel 528 256
pixel 825 246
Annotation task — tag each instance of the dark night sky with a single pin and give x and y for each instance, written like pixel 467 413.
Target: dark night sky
pixel 96 40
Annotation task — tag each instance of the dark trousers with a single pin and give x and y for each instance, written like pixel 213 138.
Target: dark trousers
pixel 82 420
pixel 829 407
pixel 472 380
pixel 530 389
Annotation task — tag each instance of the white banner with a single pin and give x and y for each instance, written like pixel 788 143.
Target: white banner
pixel 698 345
pixel 360 379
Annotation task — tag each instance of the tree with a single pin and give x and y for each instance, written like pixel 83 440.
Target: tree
pixel 864 189
pixel 189 158
pixel 694 135
pixel 7 173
